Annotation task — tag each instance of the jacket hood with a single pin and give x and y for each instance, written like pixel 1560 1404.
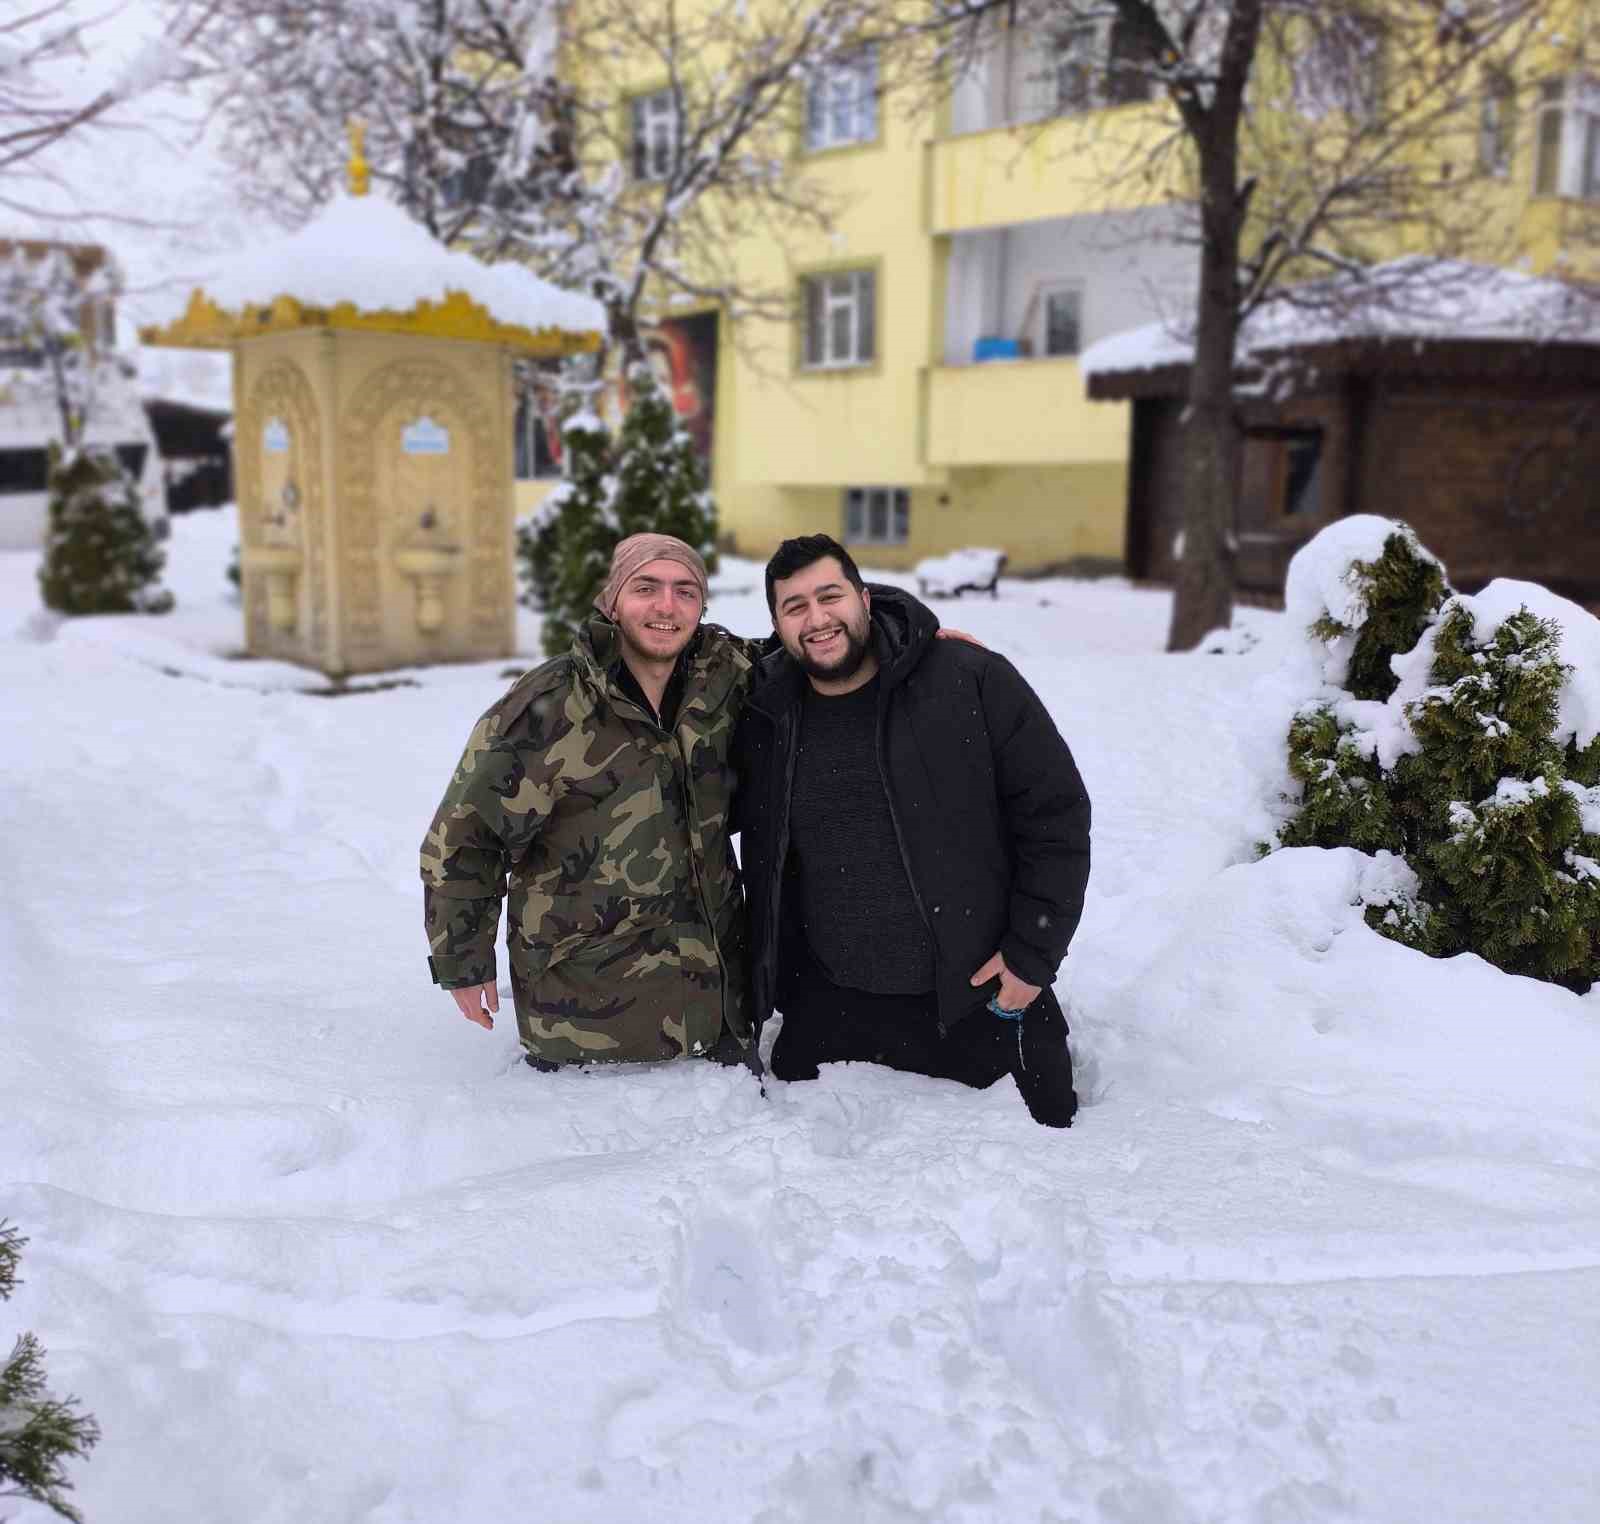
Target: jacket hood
pixel 902 626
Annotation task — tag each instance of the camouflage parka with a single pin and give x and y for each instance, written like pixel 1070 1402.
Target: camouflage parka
pixel 625 920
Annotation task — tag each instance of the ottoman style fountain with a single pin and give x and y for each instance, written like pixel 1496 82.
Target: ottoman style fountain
pixel 373 422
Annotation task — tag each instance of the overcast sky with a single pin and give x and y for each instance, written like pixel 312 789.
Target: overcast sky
pixel 151 187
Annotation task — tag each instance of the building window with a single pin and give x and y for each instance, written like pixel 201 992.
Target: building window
pixel 1302 472
pixel 1568 162
pixel 1082 68
pixel 132 459
pixel 1341 68
pixel 842 101
pixel 1061 320
pixel 24 471
pixel 840 314
pixel 1286 465
pixel 1072 72
pixel 1497 123
pixel 536 444
pixel 877 515
pixel 655 135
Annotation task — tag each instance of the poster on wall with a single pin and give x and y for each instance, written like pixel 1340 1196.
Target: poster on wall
pixel 683 353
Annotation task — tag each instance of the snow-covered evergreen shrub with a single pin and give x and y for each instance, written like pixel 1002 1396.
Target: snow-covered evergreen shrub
pixel 565 550
pixel 649 479
pixel 1454 733
pixel 661 483
pixel 39 1434
pixel 100 556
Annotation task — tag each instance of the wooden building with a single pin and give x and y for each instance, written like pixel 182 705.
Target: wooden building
pixel 1488 447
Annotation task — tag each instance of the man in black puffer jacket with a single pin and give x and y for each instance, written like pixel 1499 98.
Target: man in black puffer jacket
pixel 914 842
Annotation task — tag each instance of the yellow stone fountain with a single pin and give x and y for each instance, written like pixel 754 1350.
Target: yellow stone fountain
pixel 373 427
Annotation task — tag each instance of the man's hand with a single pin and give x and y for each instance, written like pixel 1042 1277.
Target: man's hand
pixel 946 633
pixel 1013 994
pixel 472 1000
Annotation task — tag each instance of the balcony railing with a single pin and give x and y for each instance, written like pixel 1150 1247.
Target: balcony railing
pixel 1019 413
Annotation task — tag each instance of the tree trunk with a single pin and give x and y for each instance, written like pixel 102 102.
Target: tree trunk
pixel 1202 598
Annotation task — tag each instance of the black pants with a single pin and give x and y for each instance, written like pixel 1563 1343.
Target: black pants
pixel 825 1023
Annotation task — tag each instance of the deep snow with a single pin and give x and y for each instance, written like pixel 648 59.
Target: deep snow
pixel 1323 1244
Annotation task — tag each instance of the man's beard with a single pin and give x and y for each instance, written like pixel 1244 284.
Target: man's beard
pixel 848 665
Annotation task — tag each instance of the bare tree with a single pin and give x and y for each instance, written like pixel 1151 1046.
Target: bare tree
pixel 44 103
pixel 623 147
pixel 56 302
pixel 1307 138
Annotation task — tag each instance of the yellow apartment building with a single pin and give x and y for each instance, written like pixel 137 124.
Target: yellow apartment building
pixel 928 393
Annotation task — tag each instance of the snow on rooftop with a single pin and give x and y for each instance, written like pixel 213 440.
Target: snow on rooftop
pixel 1414 299
pixel 367 251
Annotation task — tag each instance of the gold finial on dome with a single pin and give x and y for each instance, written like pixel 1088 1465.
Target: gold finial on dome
pixel 358 167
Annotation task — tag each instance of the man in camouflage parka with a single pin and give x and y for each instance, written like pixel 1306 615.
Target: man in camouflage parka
pixel 600 786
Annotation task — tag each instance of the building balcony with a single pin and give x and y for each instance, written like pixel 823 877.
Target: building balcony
pixel 1092 162
pixel 1019 413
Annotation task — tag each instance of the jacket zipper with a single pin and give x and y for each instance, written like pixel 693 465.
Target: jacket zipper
pixel 905 857
pixel 694 867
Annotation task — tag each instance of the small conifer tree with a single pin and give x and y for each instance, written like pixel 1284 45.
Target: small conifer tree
pixel 649 479
pixel 661 482
pixel 38 1433
pixel 100 556
pixel 566 549
pixel 1496 815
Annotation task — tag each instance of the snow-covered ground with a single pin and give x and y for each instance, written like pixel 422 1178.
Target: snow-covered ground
pixel 1323 1244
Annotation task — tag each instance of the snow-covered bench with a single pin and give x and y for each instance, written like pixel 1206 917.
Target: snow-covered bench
pixel 973 569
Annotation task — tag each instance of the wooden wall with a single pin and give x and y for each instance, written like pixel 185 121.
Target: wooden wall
pixel 1496 484
pixel 1497 480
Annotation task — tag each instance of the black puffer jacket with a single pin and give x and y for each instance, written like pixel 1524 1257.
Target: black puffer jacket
pixel 991 813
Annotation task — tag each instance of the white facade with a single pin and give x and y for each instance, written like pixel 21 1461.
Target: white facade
pixel 1126 268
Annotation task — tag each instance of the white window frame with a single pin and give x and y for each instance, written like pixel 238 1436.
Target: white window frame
pixel 1074 56
pixel 1068 71
pixel 890 506
pixel 1042 66
pixel 832 300
pixel 1341 68
pixel 842 101
pixel 1041 336
pixel 653 133
pixel 1497 124
pixel 1567 139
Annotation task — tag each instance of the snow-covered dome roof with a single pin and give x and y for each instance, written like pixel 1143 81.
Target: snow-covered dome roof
pixel 363 263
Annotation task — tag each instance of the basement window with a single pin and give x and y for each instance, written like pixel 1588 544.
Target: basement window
pixel 877 515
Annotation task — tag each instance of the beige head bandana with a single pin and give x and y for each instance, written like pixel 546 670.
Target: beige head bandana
pixel 640 550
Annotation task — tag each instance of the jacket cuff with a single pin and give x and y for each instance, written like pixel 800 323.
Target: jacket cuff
pixel 461 971
pixel 1026 963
